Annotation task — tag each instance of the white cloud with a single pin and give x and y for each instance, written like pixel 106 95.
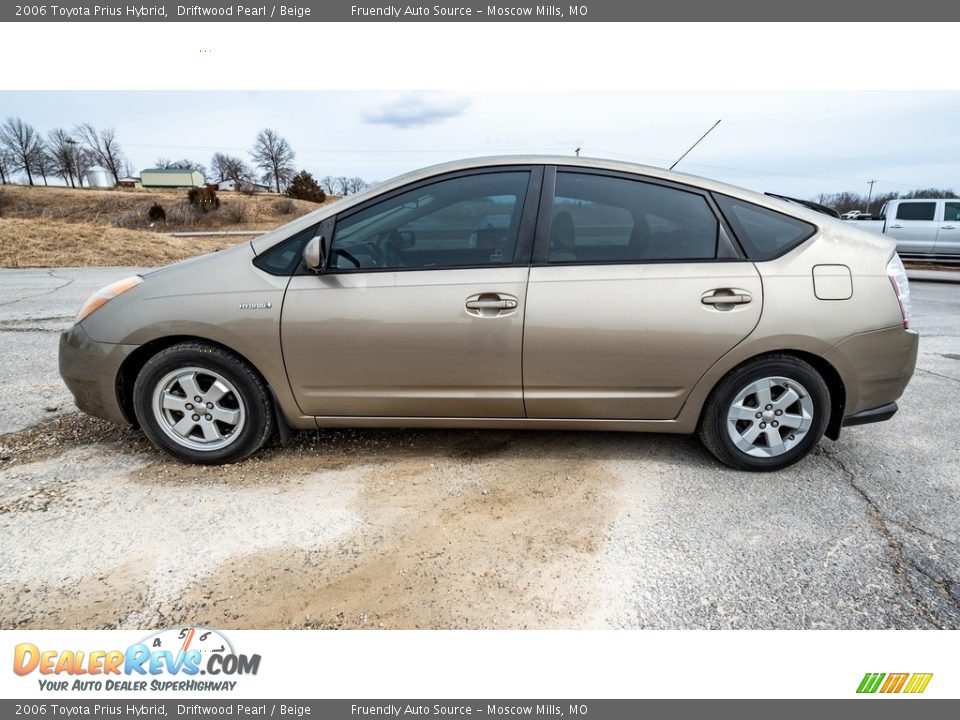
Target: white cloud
pixel 416 110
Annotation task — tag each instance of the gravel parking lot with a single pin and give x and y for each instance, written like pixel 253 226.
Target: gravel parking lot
pixel 451 529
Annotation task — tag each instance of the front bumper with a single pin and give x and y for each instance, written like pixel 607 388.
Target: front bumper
pixel 90 370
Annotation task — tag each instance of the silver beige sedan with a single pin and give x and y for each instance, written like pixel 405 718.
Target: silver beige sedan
pixel 514 292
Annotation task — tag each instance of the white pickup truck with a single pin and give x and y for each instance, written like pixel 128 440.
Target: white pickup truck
pixel 923 229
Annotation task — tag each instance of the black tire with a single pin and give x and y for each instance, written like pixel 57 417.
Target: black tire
pixel 713 421
pixel 254 398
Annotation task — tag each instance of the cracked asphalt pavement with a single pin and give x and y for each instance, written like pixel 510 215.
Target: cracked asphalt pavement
pixel 404 529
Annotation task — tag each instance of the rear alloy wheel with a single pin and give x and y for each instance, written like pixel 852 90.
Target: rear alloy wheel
pixel 767 414
pixel 202 404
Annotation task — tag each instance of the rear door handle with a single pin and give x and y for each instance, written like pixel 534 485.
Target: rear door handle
pixel 491 304
pixel 726 297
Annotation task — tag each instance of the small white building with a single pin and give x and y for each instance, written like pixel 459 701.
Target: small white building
pixel 129 182
pixel 171 178
pixel 231 185
pixel 98 177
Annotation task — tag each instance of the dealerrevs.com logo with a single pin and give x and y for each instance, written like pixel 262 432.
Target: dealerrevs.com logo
pixel 179 659
pixel 884 683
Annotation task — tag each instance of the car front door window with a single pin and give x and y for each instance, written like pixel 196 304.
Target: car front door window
pixel 468 221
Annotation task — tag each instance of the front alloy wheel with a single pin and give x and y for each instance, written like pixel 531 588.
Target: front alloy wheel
pixel 203 404
pixel 198 408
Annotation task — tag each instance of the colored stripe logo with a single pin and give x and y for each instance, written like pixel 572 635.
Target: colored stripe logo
pixel 913 683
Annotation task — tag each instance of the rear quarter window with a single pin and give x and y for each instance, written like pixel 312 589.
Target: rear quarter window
pixel 764 234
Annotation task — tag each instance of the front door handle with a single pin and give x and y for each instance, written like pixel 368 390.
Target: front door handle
pixel 947 227
pixel 896 227
pixel 726 298
pixel 491 304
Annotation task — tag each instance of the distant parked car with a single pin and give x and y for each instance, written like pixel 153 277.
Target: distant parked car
pixel 856 215
pixel 515 292
pixel 923 229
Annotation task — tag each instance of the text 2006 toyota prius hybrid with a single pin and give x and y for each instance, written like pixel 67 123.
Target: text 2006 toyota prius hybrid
pixel 516 292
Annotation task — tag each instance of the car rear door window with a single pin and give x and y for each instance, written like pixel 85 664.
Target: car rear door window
pixel 763 233
pixel 467 221
pixel 598 218
pixel 916 210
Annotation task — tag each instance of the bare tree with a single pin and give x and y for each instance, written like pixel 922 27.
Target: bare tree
pixel 929 193
pixel 879 200
pixel 6 166
pixel 44 164
pixel 183 164
pixel 103 147
pixel 228 167
pixel 342 183
pixel 273 154
pixel 23 144
pixel 357 184
pixel 63 150
pixel 84 160
pixel 328 184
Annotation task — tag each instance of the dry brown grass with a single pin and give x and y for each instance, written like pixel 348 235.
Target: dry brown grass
pixel 56 226
pixel 55 243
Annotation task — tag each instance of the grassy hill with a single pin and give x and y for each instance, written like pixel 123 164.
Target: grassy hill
pixel 56 226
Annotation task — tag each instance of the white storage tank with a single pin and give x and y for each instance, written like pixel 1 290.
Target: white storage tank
pixel 98 177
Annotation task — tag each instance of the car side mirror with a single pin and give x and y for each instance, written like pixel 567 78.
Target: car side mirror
pixel 315 253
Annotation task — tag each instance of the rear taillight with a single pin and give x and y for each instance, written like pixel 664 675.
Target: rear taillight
pixel 901 286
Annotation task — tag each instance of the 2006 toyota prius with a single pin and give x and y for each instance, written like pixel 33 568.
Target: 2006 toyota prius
pixel 518 292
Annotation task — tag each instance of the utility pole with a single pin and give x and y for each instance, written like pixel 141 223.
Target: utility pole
pixel 577 152
pixel 870 193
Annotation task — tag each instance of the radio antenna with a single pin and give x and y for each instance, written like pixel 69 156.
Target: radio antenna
pixel 695 144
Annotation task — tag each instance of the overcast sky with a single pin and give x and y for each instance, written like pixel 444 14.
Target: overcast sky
pixel 796 143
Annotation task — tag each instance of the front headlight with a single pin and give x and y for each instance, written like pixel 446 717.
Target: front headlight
pixel 102 296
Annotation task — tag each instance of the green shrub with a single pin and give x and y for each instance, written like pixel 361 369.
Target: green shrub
pixel 304 187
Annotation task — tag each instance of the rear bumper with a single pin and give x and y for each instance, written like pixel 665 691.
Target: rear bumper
pixel 90 371
pixel 874 415
pixel 875 367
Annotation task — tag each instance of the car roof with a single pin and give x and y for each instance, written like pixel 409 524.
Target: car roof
pixel 266 241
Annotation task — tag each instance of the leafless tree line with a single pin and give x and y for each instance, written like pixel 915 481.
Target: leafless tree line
pixel 69 154
pixel 846 201
pixel 66 154
pixel 273 157
pixel 342 185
